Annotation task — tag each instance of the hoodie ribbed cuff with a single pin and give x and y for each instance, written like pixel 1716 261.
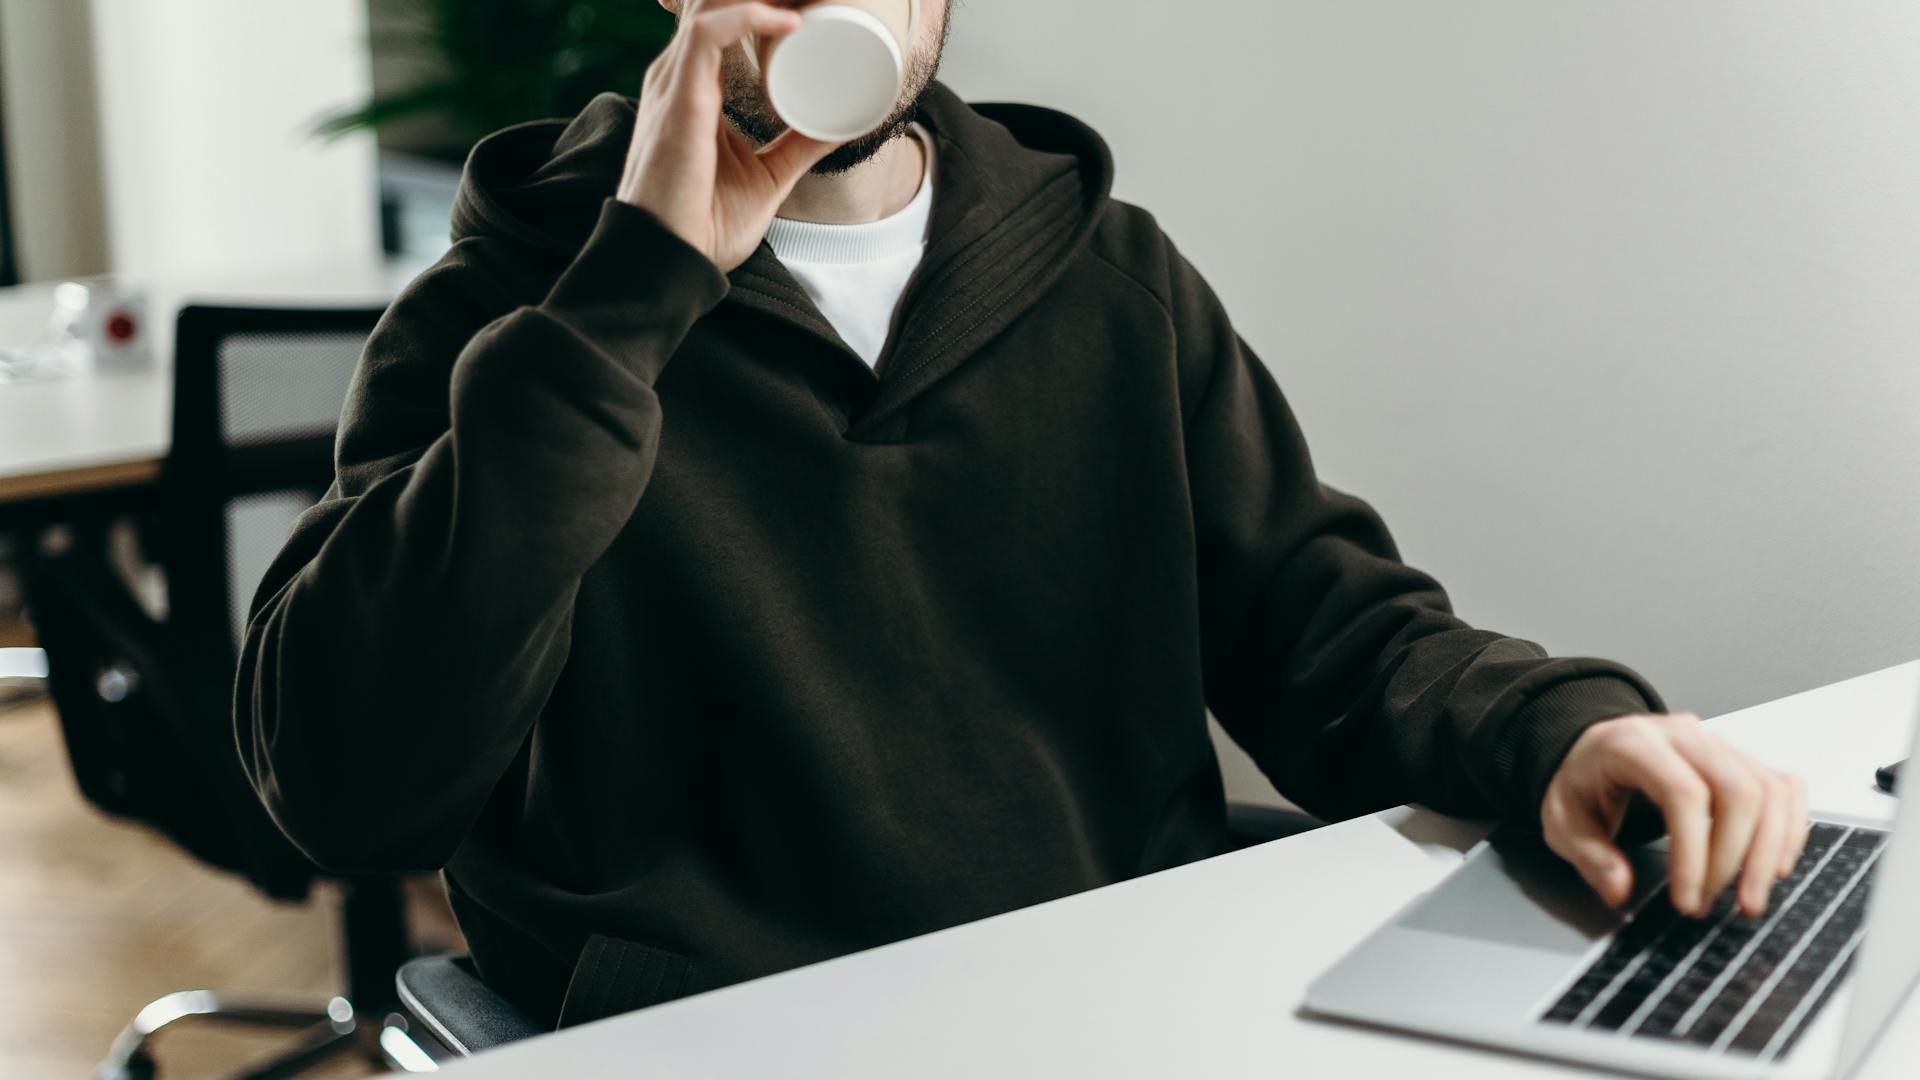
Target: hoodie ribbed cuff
pixel 635 283
pixel 1539 734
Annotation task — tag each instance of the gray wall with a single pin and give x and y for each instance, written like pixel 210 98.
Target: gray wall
pixel 1612 309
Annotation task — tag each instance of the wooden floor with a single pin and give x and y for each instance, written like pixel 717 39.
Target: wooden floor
pixel 98 917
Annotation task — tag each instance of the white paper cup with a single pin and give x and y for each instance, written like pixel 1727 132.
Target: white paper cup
pixel 838 76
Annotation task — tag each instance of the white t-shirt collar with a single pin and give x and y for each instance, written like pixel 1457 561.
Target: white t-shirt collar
pixel 812 241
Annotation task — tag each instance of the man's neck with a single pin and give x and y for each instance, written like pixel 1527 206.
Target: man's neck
pixel 878 187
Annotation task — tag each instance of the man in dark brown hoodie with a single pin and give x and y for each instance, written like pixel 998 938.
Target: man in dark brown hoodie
pixel 696 644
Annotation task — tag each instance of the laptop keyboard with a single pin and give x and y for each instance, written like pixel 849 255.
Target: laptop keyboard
pixel 1727 982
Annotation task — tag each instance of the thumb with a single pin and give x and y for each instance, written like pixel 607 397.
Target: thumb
pixel 1586 841
pixel 791 154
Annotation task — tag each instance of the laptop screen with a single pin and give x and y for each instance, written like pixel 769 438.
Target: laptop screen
pixel 1889 956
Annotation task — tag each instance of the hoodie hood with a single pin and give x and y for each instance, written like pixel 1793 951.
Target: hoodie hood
pixel 1017 191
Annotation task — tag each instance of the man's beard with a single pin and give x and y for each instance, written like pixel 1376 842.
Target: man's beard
pixel 746 104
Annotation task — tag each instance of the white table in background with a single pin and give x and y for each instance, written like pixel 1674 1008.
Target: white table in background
pixel 1194 972
pixel 109 432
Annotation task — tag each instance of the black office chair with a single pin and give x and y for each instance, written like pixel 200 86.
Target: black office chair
pixel 446 998
pixel 145 702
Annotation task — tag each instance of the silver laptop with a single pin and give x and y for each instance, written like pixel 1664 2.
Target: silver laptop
pixel 1513 950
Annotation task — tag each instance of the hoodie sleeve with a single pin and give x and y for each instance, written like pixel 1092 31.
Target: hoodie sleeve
pixel 1342 671
pixel 414 624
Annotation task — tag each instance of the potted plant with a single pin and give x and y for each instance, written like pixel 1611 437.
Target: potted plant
pixel 447 72
pixel 454 70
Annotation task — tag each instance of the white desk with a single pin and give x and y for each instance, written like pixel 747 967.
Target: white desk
pixel 110 431
pixel 1194 972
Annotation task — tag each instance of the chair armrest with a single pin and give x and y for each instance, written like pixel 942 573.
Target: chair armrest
pixel 444 995
pixel 1255 823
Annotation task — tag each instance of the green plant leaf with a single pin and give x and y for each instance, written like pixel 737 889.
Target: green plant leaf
pixel 493 63
pixel 381 111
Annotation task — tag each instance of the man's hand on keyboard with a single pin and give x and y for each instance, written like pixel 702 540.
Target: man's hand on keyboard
pixel 1727 815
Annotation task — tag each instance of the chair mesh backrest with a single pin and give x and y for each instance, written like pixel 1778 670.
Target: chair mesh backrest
pixel 257 399
pixel 257 525
pixel 275 388
pixel 281 386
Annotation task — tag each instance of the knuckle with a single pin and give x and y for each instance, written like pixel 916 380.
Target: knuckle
pixel 1780 802
pixel 1688 792
pixel 1680 725
pixel 1556 842
pixel 1553 818
pixel 1630 733
pixel 1744 788
pixel 1692 734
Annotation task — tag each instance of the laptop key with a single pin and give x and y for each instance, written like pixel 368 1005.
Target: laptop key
pixel 1655 977
pixel 1808 968
pixel 1647 925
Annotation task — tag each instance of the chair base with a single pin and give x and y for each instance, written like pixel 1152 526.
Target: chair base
pixel 331 1027
pixel 23 676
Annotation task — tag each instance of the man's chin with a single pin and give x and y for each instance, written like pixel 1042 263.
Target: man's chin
pixel 763 129
pixel 846 156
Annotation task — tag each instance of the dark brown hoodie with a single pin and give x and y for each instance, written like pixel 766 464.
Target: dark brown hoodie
pixel 694 650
